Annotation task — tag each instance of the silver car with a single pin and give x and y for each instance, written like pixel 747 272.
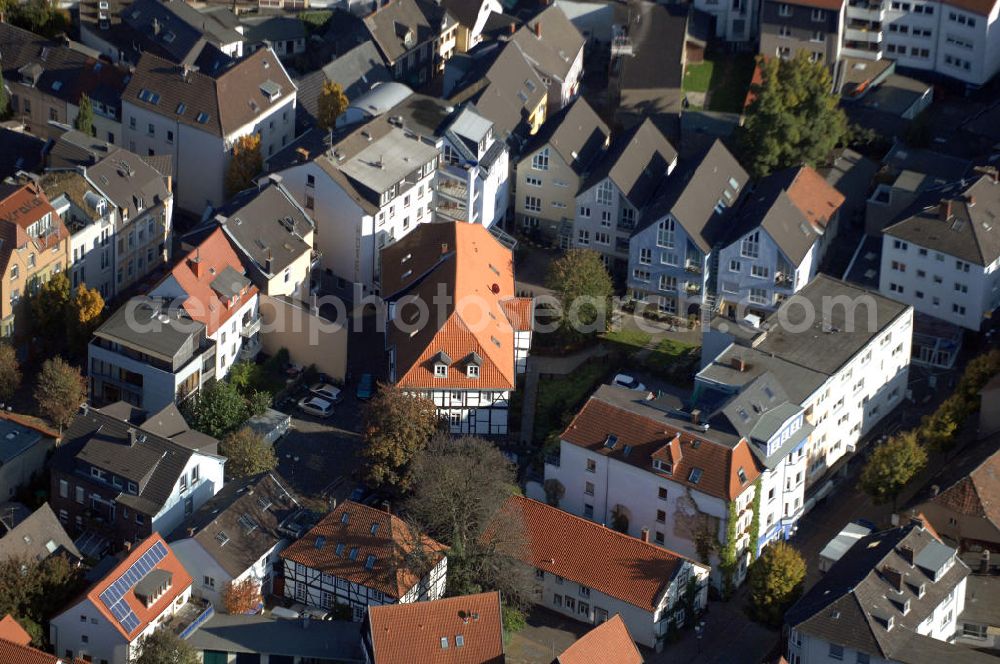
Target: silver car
pixel 316 407
pixel 326 392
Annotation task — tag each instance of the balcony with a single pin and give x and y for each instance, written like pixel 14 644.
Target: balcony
pixel 692 288
pixel 869 35
pixel 693 267
pixel 866 11
pixel 250 348
pixel 195 612
pixel 251 328
pixel 453 211
pixel 783 279
pixel 454 190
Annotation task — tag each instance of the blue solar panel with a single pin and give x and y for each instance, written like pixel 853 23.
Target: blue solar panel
pixel 113 596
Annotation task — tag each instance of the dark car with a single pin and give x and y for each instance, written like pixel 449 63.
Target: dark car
pixel 359 493
pixel 365 387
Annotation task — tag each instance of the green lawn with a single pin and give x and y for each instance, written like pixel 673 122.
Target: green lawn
pixel 674 360
pixel 725 77
pixel 697 77
pixel 559 398
pixel 626 340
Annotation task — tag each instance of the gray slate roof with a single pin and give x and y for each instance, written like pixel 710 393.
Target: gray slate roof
pixel 178 32
pixel 37 537
pixel 326 640
pixel 554 52
pixel 172 335
pixel 356 71
pixel 970 232
pixel 637 163
pixel 576 132
pixel 127 179
pixel 19 151
pixel 389 26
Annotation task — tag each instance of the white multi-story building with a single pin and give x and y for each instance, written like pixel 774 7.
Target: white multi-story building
pixel 858 379
pixel 195 118
pixel 474 178
pixel 465 357
pixel 945 259
pixel 369 190
pixel 735 21
pixel 352 558
pixel 146 591
pixel 894 597
pixel 651 597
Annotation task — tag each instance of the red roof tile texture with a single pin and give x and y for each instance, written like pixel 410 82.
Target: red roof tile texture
pixel 364 531
pixel 647 439
pixel 608 643
pixel 814 196
pixel 978 494
pixel 587 553
pixel 15 653
pixel 427 632
pixel 11 630
pixel 180 582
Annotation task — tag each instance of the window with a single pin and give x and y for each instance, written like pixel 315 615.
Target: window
pixel 640 275
pixel 585 592
pixel 584 212
pixel 750 246
pixel 760 271
pixel 660 539
pixel 472 371
pixel 605 193
pixel 440 370
pixel 79 494
pixel 758 296
pixel 958 309
pixel 532 204
pixel 665 234
pixel 668 283
pixel 784 10
pixel 591 466
pixel 961 288
pixel 662 493
pixel 583 237
pixel 898 267
pixel 669 258
pixel 735 266
pixel 557 600
pixel 661 516
pixel 974 631
pixel 532 181
pixel 605 218
pixel 540 161
pixel 588 488
pixel 601 237
pixel 645 256
pixel 836 652
pixel 899 244
pixel 588 511
pixel 818 15
pixel 818 36
pixel 863 658
pixel 784 31
pixel 63 489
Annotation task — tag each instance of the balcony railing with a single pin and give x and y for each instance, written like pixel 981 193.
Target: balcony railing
pixel 250 349
pixel 251 328
pixel 692 288
pixel 693 267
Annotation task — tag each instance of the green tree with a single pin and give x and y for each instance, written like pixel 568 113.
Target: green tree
pixel 59 391
pixel 34 591
pixel 10 372
pixel 216 409
pixel 258 402
pixel 332 103
pixel 85 117
pixel 728 554
pixel 755 519
pixel 48 306
pixel 244 164
pixel 165 647
pixel 396 427
pixel 794 117
pixel 891 467
pixel 775 581
pixel 247 454
pixel 583 286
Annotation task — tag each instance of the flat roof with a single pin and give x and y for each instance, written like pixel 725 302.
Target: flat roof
pixel 387 160
pixel 327 640
pixel 15 440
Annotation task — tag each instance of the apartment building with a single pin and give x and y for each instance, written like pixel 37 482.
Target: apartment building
pixel 963 513
pixel 554 47
pixel 471 17
pixel 121 476
pixel 894 597
pixel 945 259
pixel 578 566
pixel 374 185
pixel 674 251
pixel 36 245
pixel 195 118
pixel 734 21
pixel 414 37
pixel 616 192
pixel 845 391
pixel 353 558
pixel 776 240
pixel 813 26
pixel 467 365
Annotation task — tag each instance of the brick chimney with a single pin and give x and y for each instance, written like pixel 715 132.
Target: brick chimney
pixel 538 29
pixel 695 416
pixel 644 536
pixel 945 210
pixel 739 364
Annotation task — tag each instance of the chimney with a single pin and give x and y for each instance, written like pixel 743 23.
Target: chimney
pixel 906 553
pixel 191 532
pixel 739 364
pixel 303 153
pixel 128 546
pixel 695 416
pixel 156 26
pixel 444 248
pixel 894 577
pixel 513 27
pixel 645 535
pixel 970 200
pixel 538 29
pixel 267 262
pixel 945 210
pixel 984 562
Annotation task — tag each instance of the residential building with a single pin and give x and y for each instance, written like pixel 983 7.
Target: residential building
pixel 578 575
pixel 46 79
pixel 148 590
pixel 816 27
pixel 554 47
pixel 895 596
pixel 413 36
pixel 353 557
pixel 776 241
pixel 357 71
pixel 734 22
pixel 376 184
pixel 673 254
pixel 273 236
pixel 35 536
pixel 274 640
pixel 20 151
pixel 285 35
pixel 25 445
pixel 471 17
pixel 465 364
pixel 237 535
pixel 614 195
pixel 15 646
pixel 609 642
pixel 121 477
pixel 839 545
pixel 944 259
pixel 967 514
pixel 211 287
pixel 468 628
pixel 980 619
pixel 35 246
pixel 989 414
pixel 845 391
pixel 552 167
pixel 171 109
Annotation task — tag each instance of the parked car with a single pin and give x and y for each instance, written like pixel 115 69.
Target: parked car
pixel 316 407
pixel 359 493
pixel 624 380
pixel 282 612
pixel 365 386
pixel 326 392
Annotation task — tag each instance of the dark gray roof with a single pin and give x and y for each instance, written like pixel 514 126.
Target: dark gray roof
pixel 177 31
pixel 637 163
pixel 970 231
pixel 268 231
pixel 356 71
pixel 658 33
pixel 554 52
pixel 576 132
pixel 852 604
pixel 249 513
pixel 982 600
pixel 895 95
pixel 38 536
pixel 20 151
pixel 129 181
pixel 174 333
pixel 325 640
pixel 941 167
pixel 833 330
pixel 272 29
pixel 691 195
pixel 797 381
pixel 389 26
pixel 74 148
pixel 229 283
pixel 466 12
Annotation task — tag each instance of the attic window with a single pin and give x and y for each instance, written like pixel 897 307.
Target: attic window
pixel 370 562
pixel 444 643
pixel 202 118
pixel 345 517
pixel 56 85
pixel 459 640
pixel 472 371
pixel 663 466
pixel 340 548
pixel 353 555
pixel 374 528
pixel 611 441
pixel 440 370
pixel 320 542
pixel 181 108
pixel 740 473
pixel 694 476
pixel 270 90
pixel 222 538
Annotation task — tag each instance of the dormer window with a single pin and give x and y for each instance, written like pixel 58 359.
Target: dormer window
pixel 663 466
pixel 440 370
pixel 472 371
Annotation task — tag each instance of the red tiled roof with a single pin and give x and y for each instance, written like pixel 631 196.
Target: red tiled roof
pixel 19 208
pixel 978 494
pixel 830 5
pixel 195 274
pixel 387 543
pixel 180 581
pixel 647 439
pixel 11 630
pixel 466 264
pixel 608 643
pixel 414 632
pixel 814 197
pixel 588 553
pixel 15 653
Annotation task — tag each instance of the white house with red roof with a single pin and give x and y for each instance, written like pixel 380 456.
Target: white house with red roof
pixel 466 353
pixel 146 591
pixel 211 286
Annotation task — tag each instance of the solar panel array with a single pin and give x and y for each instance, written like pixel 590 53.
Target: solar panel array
pixel 114 596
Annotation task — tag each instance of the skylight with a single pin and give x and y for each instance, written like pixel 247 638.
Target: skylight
pixel 370 562
pixel 694 476
pixel 202 118
pixel 340 548
pixel 345 517
pixel 353 555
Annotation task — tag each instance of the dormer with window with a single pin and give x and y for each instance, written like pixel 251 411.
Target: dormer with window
pixel 473 363
pixel 441 363
pixel 663 466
